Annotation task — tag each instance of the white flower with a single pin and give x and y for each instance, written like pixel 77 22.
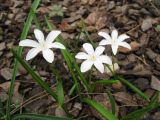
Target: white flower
pixel 115 41
pixel 92 57
pixel 42 45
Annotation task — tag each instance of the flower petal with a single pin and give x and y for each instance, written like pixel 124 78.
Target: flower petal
pixel 99 50
pixel 105 42
pixel 99 66
pixel 28 43
pixel 56 45
pixel 48 55
pixel 114 35
pixel 122 37
pixel 88 48
pixel 105 59
pixel 114 49
pixel 32 53
pixel 86 65
pixel 52 36
pixel 105 35
pixel 81 55
pixel 39 35
pixel 124 44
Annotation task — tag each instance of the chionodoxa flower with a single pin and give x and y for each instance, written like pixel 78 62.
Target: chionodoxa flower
pixel 93 57
pixel 43 45
pixel 114 40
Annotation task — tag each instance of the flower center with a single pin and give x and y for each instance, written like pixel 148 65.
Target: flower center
pixel 114 42
pixel 43 46
pixel 93 58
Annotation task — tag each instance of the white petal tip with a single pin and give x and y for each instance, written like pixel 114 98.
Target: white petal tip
pixel 102 43
pixel 99 33
pixel 50 61
pixel 27 59
pixel 101 72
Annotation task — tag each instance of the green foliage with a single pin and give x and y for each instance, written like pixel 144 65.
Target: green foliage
pixel 15 69
pixel 105 82
pixel 57 10
pixel 1 110
pixel 135 89
pixel 136 115
pixel 60 93
pixel 112 101
pixel 103 111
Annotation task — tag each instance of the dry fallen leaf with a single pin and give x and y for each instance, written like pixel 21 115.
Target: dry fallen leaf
pixel 64 26
pixel 7 73
pixel 16 95
pixel 125 98
pixel 96 20
pixel 155 83
pixel 92 18
pixel 3 95
pixel 146 24
pixel 43 10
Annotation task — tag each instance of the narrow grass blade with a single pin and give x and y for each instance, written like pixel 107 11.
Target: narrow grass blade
pixel 135 89
pixel 72 90
pixel 60 93
pixel 35 77
pixel 103 111
pixel 23 36
pixel 37 117
pixel 106 82
pixel 1 110
pixel 36 21
pixel 70 61
pixel 136 115
pixel 87 34
pixel 112 101
pixel 59 88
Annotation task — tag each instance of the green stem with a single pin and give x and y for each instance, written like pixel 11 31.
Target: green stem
pixel 89 80
pixel 113 62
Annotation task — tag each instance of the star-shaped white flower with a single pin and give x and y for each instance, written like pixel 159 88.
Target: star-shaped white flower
pixel 92 57
pixel 115 41
pixel 42 45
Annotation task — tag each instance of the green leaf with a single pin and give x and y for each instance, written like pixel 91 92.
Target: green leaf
pixel 60 93
pixel 136 115
pixel 72 90
pixel 35 76
pixel 103 111
pixel 38 117
pixel 15 69
pixel 106 82
pixel 37 22
pixel 135 89
pixel 112 101
pixel 1 109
